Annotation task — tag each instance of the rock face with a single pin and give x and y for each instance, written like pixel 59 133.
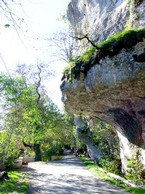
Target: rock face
pixel 114 88
pixel 103 18
pixel 84 134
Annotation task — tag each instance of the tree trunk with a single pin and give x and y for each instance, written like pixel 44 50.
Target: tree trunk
pixel 4 176
pixel 37 151
pixel 2 162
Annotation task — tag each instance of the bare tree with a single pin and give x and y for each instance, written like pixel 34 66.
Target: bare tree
pixel 36 74
pixel 65 47
pixel 7 9
pixel 66 44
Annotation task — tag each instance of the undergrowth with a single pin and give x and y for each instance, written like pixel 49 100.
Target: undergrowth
pixel 16 184
pixel 103 176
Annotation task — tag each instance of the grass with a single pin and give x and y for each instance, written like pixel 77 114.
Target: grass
pixel 110 47
pixel 103 176
pixel 16 184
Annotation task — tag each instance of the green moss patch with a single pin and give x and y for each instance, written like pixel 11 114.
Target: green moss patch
pixel 110 47
pixel 138 2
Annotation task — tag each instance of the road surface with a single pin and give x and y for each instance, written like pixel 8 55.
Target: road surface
pixel 66 176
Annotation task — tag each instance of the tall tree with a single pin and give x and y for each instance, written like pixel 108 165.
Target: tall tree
pixel 32 116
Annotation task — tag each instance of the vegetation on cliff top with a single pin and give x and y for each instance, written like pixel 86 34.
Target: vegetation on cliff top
pixel 138 2
pixel 110 47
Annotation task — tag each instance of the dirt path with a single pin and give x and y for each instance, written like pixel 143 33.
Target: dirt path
pixel 66 176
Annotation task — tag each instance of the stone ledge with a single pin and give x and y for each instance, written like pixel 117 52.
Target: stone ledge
pixel 119 178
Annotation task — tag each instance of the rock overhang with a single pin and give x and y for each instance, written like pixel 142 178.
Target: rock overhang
pixel 112 90
pixel 107 83
pixel 119 99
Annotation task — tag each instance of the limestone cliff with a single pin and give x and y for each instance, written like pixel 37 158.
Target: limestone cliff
pixel 113 88
pixel 103 18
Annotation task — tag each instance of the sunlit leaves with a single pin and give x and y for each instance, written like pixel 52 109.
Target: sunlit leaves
pixel 32 121
pixel 8 148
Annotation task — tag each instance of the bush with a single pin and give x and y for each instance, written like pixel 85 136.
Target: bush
pixel 135 170
pixel 8 150
pixel 111 166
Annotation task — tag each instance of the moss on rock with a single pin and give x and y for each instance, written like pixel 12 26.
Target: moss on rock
pixel 110 47
pixel 138 2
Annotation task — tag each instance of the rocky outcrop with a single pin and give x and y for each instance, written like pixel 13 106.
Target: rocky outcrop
pixel 84 134
pixel 103 18
pixel 113 89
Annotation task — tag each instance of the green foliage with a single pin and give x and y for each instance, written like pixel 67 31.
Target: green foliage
pixel 103 176
pixel 7 25
pixel 8 150
pixel 68 70
pixel 31 121
pixel 125 39
pixel 16 184
pixel 110 166
pixel 86 56
pixel 110 47
pixel 138 2
pixel 59 135
pixel 103 134
pixel 135 169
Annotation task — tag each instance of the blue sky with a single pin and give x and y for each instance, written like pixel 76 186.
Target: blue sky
pixel 40 21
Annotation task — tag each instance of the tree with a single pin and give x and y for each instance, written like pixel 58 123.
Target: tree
pixel 98 139
pixel 71 41
pixel 63 42
pixel 86 36
pixel 23 114
pixel 35 76
pixel 102 136
pixel 8 149
pixel 32 117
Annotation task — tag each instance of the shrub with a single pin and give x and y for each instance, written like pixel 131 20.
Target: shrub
pixel 135 170
pixel 111 166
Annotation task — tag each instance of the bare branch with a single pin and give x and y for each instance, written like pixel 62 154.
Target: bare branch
pixel 38 84
pixel 65 49
pixel 88 39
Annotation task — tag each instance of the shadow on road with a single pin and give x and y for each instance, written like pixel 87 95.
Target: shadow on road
pixel 68 160
pixel 66 176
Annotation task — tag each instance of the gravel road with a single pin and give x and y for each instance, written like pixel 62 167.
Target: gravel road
pixel 66 176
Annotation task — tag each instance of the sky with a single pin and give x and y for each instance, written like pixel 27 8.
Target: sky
pixel 38 20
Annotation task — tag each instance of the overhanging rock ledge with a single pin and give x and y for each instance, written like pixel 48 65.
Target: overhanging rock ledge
pixel 113 90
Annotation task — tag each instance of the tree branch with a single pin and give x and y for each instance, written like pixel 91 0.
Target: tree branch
pixel 28 145
pixel 38 85
pixel 88 39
